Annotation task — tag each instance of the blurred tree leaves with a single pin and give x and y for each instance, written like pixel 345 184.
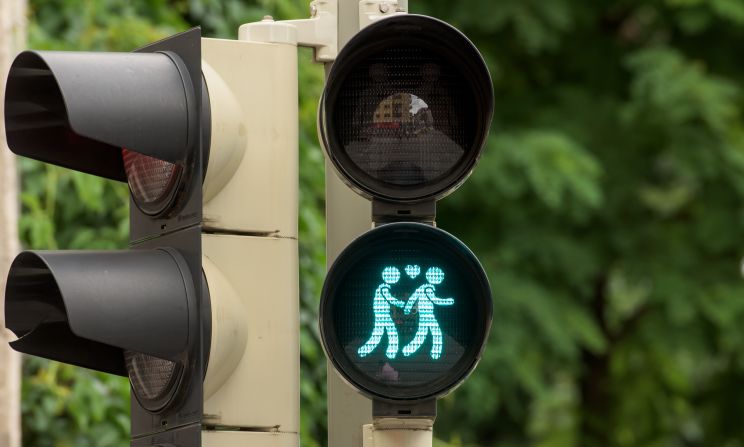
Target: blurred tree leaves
pixel 607 210
pixel 65 406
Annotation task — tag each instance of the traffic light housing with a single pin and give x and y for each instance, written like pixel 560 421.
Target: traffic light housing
pixel 406 109
pixel 250 234
pixel 202 312
pixel 54 304
pixel 136 117
pixel 387 283
pixel 406 308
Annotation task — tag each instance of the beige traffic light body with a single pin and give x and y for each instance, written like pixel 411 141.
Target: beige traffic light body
pixel 259 84
pixel 245 439
pixel 260 395
pixel 251 389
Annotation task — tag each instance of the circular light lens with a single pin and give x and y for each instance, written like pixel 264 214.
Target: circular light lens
pixel 406 109
pixel 405 312
pixel 154 380
pixel 153 182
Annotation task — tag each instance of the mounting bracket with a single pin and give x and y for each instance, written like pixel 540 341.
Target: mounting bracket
pixel 320 31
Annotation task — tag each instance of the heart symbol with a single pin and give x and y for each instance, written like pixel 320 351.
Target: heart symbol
pixel 413 271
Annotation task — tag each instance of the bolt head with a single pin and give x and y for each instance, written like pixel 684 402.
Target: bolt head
pixel 384 8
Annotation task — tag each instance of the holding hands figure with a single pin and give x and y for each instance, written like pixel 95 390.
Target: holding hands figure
pixel 426 297
pixel 383 320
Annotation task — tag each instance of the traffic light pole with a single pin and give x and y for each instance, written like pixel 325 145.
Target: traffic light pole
pixel 347 216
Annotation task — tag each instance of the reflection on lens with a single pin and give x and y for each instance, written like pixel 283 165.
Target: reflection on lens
pixel 151 181
pixel 405 116
pixel 402 145
pixel 152 378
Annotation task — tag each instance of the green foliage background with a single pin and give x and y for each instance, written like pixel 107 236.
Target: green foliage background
pixel 607 210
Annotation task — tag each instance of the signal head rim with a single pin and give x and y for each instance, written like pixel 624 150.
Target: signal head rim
pixel 460 56
pixel 334 349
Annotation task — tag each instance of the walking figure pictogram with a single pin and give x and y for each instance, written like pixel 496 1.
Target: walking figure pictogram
pixel 426 297
pixel 383 320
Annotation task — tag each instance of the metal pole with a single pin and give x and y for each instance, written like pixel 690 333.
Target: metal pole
pixel 347 216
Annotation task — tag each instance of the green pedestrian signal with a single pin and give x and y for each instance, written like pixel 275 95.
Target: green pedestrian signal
pixel 405 312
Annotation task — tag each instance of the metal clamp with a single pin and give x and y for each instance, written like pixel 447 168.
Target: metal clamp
pixel 320 31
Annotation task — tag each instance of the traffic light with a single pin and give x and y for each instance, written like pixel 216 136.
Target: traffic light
pixel 201 313
pixel 134 117
pixel 406 308
pixel 405 312
pixel 406 109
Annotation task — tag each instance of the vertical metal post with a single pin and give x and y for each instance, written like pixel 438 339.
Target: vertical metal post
pixel 347 216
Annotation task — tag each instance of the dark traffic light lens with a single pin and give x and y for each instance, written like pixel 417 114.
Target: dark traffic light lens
pixel 406 109
pixel 153 380
pixel 405 312
pixel 152 182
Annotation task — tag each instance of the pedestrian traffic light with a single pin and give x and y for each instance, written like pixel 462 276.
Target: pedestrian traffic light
pixel 405 312
pixel 406 308
pixel 201 313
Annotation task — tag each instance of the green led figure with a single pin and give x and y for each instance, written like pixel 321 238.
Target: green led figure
pixel 383 320
pixel 426 297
